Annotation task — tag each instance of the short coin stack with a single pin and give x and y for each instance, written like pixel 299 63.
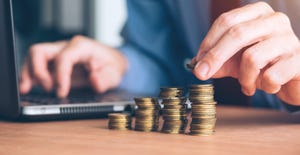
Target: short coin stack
pixel 119 121
pixel 174 111
pixel 171 92
pixel 147 114
pixel 203 109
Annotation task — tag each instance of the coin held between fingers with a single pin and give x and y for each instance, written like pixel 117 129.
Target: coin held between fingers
pixel 190 66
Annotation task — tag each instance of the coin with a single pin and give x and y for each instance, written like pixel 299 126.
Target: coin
pixel 190 66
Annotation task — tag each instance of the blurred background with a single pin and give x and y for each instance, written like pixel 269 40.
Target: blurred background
pixel 51 20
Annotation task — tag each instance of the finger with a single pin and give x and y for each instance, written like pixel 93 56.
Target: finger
pixel 26 80
pixel 230 68
pixel 63 75
pixel 278 74
pixel 259 56
pixel 40 70
pixel 104 79
pixel 40 55
pixel 99 81
pixel 235 39
pixel 64 66
pixel 74 53
pixel 231 18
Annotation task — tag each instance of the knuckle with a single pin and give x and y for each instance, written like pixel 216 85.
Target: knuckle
pixel 270 78
pixel 264 6
pixel 226 19
pixel 282 18
pixel 237 32
pixel 35 49
pixel 294 42
pixel 82 42
pixel 78 39
pixel 213 57
pixel 205 44
pixel 251 58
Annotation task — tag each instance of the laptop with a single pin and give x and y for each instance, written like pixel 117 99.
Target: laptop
pixel 83 103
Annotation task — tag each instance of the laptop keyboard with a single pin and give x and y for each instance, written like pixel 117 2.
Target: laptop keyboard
pixel 51 99
pixel 82 96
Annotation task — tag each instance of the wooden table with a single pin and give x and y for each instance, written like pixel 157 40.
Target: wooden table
pixel 238 131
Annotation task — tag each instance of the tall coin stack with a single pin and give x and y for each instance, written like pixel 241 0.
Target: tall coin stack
pixel 147 114
pixel 119 121
pixel 174 110
pixel 203 109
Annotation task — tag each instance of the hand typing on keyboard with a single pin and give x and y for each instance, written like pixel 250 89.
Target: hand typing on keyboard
pixel 105 66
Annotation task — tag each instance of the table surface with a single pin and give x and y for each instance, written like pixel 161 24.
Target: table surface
pixel 238 131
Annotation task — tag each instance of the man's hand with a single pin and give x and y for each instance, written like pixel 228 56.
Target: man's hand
pixel 105 65
pixel 257 46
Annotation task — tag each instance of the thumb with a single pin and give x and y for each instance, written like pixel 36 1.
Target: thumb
pixel 229 69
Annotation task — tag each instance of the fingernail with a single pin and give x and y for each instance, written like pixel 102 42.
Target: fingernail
pixel 202 69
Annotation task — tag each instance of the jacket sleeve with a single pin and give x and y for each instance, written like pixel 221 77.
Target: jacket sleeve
pixel 264 100
pixel 146 40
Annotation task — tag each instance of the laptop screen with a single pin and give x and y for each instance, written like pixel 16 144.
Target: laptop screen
pixel 9 97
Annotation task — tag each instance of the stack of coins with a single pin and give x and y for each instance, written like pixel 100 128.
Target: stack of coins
pixel 171 92
pixel 119 121
pixel 174 110
pixel 203 109
pixel 147 114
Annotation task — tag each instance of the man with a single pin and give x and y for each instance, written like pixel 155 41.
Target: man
pixel 253 44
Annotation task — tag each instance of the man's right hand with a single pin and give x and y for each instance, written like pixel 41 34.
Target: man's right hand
pixel 105 65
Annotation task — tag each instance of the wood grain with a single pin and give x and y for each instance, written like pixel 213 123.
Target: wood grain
pixel 238 131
